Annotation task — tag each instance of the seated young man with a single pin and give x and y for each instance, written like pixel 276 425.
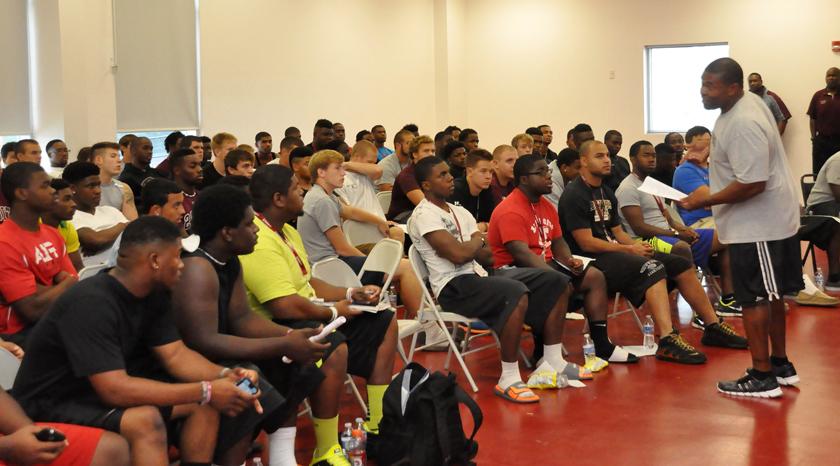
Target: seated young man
pixel 666 164
pixel 825 200
pixel 34 264
pixel 115 193
pixel 472 192
pixel 278 279
pixel 120 365
pixel 523 143
pixel 84 446
pixel 299 160
pixel 645 217
pixel 358 189
pixel 394 162
pixel 213 315
pixel 591 227
pixel 693 175
pixel 323 237
pixel 564 169
pixel 455 154
pixel 406 194
pixel 447 238
pixel 138 169
pixel 525 232
pixel 186 173
pixel 98 225
pixel 214 169
pixel 239 162
pixel 287 145
pixel 60 218
pixel 501 185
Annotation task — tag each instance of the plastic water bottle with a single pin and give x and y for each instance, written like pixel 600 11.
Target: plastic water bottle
pixel 357 455
pixel 360 426
pixel 648 341
pixel 819 279
pixel 348 443
pixel 392 297
pixel 588 351
pixel 257 462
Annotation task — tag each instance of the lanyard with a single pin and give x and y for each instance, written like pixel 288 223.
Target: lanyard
pixel 457 225
pixel 286 241
pixel 601 215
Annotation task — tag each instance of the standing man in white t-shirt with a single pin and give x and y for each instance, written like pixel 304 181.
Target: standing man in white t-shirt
pixel 98 226
pixel 754 203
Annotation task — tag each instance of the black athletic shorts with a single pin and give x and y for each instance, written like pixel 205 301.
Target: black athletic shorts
pixel 91 412
pixel 766 269
pixel 820 230
pixel 631 274
pixel 363 334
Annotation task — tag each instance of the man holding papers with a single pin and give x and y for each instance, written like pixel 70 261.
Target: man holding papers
pixel 525 232
pixel 589 217
pixel 644 215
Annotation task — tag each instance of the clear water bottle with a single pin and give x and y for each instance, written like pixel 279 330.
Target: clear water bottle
pixel 347 440
pixel 819 279
pixel 647 329
pixel 588 351
pixel 392 297
pixel 357 454
pixel 257 462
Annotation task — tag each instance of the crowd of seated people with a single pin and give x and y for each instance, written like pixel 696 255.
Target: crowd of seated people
pixel 207 275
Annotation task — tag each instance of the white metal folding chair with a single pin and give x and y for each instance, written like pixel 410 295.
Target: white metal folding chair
pixel 629 309
pixel 9 366
pixel 384 198
pixel 361 233
pixel 91 270
pixel 385 257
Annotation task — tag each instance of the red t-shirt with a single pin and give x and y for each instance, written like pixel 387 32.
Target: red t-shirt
pixel 82 444
pixel 516 219
pixel 27 259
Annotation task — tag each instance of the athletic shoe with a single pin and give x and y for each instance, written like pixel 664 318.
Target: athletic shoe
pixel 723 335
pixel 750 386
pixel 728 309
pixel 832 286
pixel 620 355
pixel 785 374
pixel 698 323
pixel 334 457
pixel 674 348
pixel 818 298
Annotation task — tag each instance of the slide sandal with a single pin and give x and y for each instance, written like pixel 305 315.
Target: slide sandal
pixel 517 393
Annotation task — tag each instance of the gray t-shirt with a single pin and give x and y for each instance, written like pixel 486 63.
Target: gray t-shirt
pixel 773 106
pixel 628 194
pixel 391 167
pixel 112 195
pixel 829 174
pixel 746 147
pixel 321 211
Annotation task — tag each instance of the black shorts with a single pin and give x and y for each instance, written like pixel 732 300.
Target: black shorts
pixel 368 278
pixel 820 230
pixel 363 334
pixel 766 269
pixel 631 274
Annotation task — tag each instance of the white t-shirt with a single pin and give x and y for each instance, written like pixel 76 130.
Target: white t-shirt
pixel 360 192
pixel 104 217
pixel 427 218
pixel 746 147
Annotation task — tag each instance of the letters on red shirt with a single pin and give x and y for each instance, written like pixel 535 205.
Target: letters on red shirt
pixel 516 219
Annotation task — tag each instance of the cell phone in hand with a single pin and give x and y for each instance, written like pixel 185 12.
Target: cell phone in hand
pixel 247 386
pixel 48 434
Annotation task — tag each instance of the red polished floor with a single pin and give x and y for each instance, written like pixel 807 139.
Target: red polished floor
pixel 656 413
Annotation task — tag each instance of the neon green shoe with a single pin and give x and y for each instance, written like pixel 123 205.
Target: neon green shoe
pixel 334 457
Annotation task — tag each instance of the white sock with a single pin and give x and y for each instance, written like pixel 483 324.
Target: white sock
pixel 281 447
pixel 510 374
pixel 553 354
pixel 545 367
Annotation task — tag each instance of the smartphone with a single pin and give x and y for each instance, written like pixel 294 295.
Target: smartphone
pixel 247 386
pixel 48 434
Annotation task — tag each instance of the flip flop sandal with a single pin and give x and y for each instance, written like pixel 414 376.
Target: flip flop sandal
pixel 517 393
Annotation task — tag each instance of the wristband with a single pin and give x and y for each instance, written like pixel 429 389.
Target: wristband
pixel 224 371
pixel 334 312
pixel 348 296
pixel 206 392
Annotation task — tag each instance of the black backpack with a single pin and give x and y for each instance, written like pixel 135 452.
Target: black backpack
pixel 421 423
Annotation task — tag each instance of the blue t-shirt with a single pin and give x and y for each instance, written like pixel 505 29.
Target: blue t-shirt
pixel 383 152
pixel 687 178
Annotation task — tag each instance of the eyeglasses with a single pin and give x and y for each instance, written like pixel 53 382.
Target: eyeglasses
pixel 542 172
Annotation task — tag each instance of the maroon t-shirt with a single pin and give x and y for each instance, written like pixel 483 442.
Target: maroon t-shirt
pixel 189 200
pixel 825 110
pixel 404 183
pixel 500 192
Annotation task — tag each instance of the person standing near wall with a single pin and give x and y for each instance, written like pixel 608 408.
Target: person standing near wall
pixel 824 111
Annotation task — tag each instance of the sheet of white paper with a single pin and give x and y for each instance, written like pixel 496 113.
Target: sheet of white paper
pixel 585 260
pixel 640 350
pixel 657 188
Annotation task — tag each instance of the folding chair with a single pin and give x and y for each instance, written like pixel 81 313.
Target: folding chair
pixel 806 183
pixel 361 233
pixel 384 198
pixel 629 309
pixel 430 312
pixel 385 257
pixel 91 270
pixel 9 366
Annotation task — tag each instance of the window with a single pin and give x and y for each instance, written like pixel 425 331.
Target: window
pixel 157 138
pixel 672 86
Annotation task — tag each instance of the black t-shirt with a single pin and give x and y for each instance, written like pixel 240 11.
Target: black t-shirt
pixel 211 176
pixel 620 170
pixel 578 210
pixel 481 206
pixel 550 155
pixel 134 177
pixel 457 172
pixel 227 275
pixel 96 326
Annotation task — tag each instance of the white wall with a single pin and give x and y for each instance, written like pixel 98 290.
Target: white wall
pixel 534 61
